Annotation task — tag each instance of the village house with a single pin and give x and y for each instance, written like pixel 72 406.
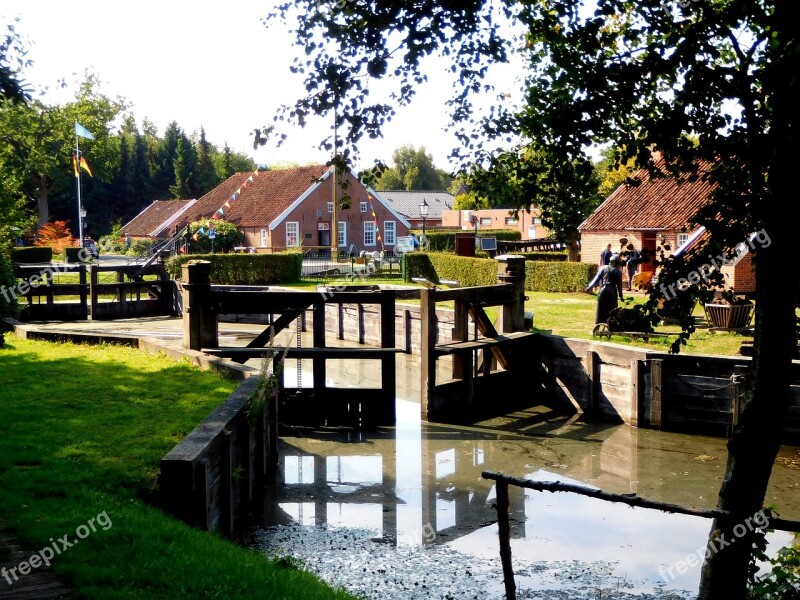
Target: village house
pixel 157 221
pixel 528 224
pixel 408 203
pixel 655 216
pixel 293 208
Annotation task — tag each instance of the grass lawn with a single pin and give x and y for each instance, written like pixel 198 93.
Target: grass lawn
pixel 82 431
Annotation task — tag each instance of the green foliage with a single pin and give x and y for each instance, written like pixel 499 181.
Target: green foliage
pixel 558 276
pixel 74 255
pixel 245 269
pixel 227 236
pixel 783 580
pixel 140 248
pixel 445 241
pixel 632 316
pixel 544 256
pixel 435 267
pixel 413 170
pixel 8 305
pixel 114 241
pixel 32 254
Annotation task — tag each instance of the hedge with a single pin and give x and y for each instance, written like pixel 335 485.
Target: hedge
pixel 558 276
pixel 245 269
pixel 467 271
pixel 32 254
pixel 8 302
pixel 445 241
pixel 544 256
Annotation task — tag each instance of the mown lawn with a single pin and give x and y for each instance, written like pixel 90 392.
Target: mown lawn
pixel 81 434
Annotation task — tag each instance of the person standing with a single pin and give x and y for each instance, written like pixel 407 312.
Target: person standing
pixel 605 256
pixel 610 289
pixel 631 264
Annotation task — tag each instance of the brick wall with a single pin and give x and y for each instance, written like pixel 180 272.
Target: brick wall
pixel 593 243
pixel 741 277
pixel 499 217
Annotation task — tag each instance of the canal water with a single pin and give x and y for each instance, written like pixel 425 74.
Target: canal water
pixel 403 512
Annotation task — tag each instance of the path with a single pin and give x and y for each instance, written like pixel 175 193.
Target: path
pixel 39 584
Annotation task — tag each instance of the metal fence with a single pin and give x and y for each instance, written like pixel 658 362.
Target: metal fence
pixel 321 266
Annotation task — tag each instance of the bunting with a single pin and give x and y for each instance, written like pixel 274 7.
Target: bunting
pixel 375 217
pixel 220 212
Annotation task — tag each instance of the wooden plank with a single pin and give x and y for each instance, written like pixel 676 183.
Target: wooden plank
pixel 590 371
pixel 482 342
pixel 656 386
pixel 427 352
pixel 312 353
pixel 487 329
pixel 487 295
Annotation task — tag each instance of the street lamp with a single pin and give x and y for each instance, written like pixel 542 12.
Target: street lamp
pixel 423 212
pixel 83 220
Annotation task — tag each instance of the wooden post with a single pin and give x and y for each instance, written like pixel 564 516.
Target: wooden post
pixel 319 366
pixel 360 323
pixel 462 361
pixel 504 533
pixel 340 313
pixel 656 386
pixel 737 391
pixel 227 517
pixel 199 318
pixel 511 270
pixel 590 366
pixel 94 293
pixel 388 362
pixel 427 315
pixel 637 390
pixel 407 329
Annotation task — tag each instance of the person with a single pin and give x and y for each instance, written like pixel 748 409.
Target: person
pixel 414 240
pixel 631 263
pixel 605 256
pixel 127 241
pixel 610 288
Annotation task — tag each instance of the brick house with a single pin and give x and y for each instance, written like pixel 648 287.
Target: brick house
pixel 528 224
pixel 157 221
pixel 292 208
pixel 407 202
pixel 656 216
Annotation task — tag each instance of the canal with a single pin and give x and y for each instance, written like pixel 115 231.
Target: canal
pixel 403 512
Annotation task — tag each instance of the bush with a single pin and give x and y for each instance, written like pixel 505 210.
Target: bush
pixel 245 269
pixel 227 236
pixel 56 235
pixel 467 271
pixel 445 241
pixel 74 255
pixel 544 256
pixel 32 254
pixel 140 248
pixel 8 302
pixel 558 276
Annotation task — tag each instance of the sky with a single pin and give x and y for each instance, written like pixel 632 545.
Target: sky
pixel 211 65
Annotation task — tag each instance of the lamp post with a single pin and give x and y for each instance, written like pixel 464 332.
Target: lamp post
pixel 423 212
pixel 83 223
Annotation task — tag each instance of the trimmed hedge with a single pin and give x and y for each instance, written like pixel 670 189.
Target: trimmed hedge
pixel 467 271
pixel 32 254
pixel 445 241
pixel 8 302
pixel 544 256
pixel 245 269
pixel 558 276
pixel 73 255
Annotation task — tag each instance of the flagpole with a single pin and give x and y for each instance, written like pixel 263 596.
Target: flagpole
pixel 334 217
pixel 77 167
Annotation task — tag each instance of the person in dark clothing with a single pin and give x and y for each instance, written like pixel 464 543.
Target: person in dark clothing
pixel 610 288
pixel 605 256
pixel 631 263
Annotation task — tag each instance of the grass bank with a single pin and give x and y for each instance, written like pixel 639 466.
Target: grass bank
pixel 82 433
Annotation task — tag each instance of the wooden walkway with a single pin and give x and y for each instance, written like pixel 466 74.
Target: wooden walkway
pixel 39 584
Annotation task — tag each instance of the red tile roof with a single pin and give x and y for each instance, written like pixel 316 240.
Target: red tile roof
pixel 158 219
pixel 656 203
pixel 265 197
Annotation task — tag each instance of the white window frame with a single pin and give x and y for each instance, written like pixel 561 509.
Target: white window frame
pixel 370 227
pixel 390 233
pixel 341 234
pixel 330 207
pixel 363 207
pixel 682 239
pixel 512 221
pixel 485 221
pixel 292 225
pixel 263 238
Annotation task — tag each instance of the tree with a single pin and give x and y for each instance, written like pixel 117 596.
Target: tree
pixel 645 75
pixel 185 165
pixel 413 170
pixel 207 177
pixel 12 61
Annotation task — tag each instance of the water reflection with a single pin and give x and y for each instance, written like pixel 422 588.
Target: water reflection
pixel 416 490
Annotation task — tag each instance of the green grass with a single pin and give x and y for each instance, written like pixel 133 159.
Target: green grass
pixel 82 431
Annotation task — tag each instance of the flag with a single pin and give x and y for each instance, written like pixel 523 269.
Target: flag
pixel 195 238
pixel 85 167
pixel 227 204
pixel 81 131
pixel 75 165
pixel 372 210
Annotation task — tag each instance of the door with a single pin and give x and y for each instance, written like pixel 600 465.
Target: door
pixel 325 239
pixel 649 247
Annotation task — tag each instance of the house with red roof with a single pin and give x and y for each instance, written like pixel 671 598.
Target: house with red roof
pixel 293 208
pixel 157 221
pixel 655 214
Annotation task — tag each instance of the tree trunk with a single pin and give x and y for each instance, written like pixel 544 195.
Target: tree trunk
pixel 43 205
pixel 755 443
pixel 572 247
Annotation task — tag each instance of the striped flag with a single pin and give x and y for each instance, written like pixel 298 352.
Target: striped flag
pixel 75 165
pixel 85 167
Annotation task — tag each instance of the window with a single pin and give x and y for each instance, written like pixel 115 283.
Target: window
pixel 486 220
pixel 369 233
pixel 364 207
pixel 682 239
pixel 263 238
pixel 342 239
pixel 292 234
pixel 389 233
pixel 511 221
pixel 330 207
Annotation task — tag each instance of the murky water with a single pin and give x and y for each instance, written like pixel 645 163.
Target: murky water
pixel 403 512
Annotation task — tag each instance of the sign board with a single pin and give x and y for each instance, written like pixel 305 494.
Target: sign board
pixel 212 234
pixel 323 226
pixel 405 244
pixel 488 243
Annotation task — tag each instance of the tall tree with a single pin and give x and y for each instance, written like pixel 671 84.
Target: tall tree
pixel 163 167
pixel 643 75
pixel 206 177
pixel 413 169
pixel 185 165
